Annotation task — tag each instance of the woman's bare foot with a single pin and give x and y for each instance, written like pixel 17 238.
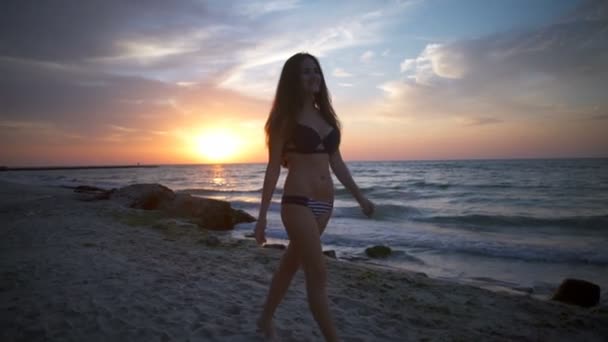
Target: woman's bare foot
pixel 267 329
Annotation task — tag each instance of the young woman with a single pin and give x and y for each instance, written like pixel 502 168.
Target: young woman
pixel 303 134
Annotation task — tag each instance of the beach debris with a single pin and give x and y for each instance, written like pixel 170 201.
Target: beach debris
pixel 213 241
pixel 330 254
pixel 92 193
pixel 378 251
pixel 578 292
pixel 275 246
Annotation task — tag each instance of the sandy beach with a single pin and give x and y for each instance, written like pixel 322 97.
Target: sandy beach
pixel 73 270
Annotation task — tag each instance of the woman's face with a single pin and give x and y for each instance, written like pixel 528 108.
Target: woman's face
pixel 310 76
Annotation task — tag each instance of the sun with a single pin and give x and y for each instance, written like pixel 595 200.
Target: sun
pixel 217 146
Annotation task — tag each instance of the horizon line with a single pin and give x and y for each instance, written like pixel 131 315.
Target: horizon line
pixel 152 165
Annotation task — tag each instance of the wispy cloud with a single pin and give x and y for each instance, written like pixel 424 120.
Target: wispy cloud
pixel 77 31
pixel 599 117
pixel 367 56
pixel 122 128
pixel 256 9
pixel 328 36
pixel 339 72
pixel 480 121
pixel 15 124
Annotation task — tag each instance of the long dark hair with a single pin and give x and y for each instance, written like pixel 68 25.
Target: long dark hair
pixel 288 100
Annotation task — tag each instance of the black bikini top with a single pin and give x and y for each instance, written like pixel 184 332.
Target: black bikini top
pixel 306 140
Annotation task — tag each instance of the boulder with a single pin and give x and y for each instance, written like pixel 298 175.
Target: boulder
pixel 88 188
pixel 144 196
pixel 208 213
pixel 275 246
pixel 378 251
pixel 241 216
pixel 92 193
pixel 578 292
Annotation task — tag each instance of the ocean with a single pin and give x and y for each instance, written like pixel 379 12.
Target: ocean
pixel 519 225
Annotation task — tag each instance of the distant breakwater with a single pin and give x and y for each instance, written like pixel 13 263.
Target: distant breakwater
pixel 85 167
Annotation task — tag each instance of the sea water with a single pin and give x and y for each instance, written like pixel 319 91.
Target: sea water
pixel 516 224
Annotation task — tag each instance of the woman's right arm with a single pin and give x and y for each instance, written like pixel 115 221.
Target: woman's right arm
pixel 273 170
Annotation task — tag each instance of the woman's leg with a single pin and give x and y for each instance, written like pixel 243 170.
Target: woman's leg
pixel 290 262
pixel 300 224
pixel 289 265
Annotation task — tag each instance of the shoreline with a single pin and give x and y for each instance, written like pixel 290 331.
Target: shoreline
pixel 82 270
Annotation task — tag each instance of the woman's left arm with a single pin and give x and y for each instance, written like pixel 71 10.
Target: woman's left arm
pixel 341 171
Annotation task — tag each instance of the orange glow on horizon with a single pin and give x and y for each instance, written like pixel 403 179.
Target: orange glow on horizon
pixel 235 134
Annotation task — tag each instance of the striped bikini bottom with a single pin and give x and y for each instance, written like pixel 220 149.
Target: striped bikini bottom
pixel 318 208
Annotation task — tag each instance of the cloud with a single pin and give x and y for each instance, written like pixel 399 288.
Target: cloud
pixel 437 62
pixel 339 72
pixel 123 129
pixel 93 103
pixel 597 113
pixel 86 64
pixel 367 56
pixel 256 9
pixel 185 40
pixel 547 72
pixel 71 31
pixel 256 72
pixel 480 121
pixel 599 117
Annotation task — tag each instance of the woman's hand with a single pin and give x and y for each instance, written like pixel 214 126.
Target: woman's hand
pixel 260 231
pixel 367 206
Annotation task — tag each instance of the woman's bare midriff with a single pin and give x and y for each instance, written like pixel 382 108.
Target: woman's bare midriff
pixel 309 176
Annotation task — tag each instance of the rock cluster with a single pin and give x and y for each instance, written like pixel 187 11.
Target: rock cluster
pixel 207 213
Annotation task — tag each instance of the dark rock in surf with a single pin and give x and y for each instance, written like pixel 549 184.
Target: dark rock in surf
pixel 330 254
pixel 578 292
pixel 92 193
pixel 88 188
pixel 378 251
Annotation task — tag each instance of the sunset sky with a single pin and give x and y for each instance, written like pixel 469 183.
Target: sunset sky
pixel 164 82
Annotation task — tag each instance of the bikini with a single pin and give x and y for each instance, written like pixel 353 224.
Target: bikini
pixel 306 140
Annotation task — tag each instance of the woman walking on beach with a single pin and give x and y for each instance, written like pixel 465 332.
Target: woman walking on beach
pixel 303 134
